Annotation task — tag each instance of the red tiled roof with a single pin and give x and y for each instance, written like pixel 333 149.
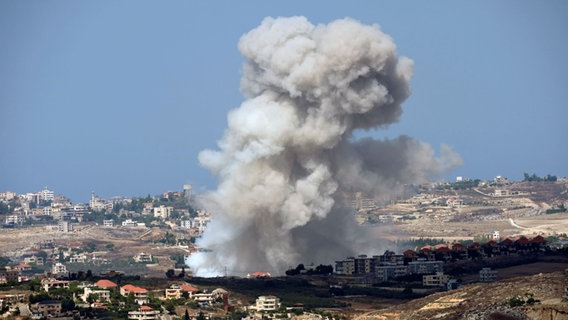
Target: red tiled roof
pixel 188 288
pixel 538 239
pixel 104 283
pixel 135 289
pixel 146 308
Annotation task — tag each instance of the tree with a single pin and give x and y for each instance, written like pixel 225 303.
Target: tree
pixel 170 273
pixel 186 315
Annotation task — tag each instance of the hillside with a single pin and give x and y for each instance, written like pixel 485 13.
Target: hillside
pixel 505 299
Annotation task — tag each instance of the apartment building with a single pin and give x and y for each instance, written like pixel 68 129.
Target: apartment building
pixel 140 294
pixel 439 279
pixel 267 303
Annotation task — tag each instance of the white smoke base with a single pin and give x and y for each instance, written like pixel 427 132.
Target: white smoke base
pixel 289 150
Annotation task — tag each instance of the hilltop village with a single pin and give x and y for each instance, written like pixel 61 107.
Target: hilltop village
pixel 124 258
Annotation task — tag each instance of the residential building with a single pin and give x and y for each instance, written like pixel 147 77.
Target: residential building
pixel 144 313
pixel 132 223
pixel 78 258
pixel 46 308
pixel 108 223
pixel 15 219
pixel 425 267
pixel 487 275
pixel 8 274
pixel 7 195
pixel 267 303
pixel 101 294
pixel 143 257
pixel 47 195
pixel 65 227
pixel 59 269
pixel 389 272
pixel 140 294
pixel 163 212
pixel 176 291
pixel 105 284
pixel 48 284
pixel 439 279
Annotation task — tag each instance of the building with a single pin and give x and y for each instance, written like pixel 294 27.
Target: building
pixel 439 279
pixel 425 267
pixel 132 223
pixel 48 284
pixel 487 275
pixel 105 284
pixel 140 294
pixel 108 223
pixel 59 269
pixel 389 272
pixel 8 274
pixel 100 294
pixel 267 303
pixel 47 195
pixel 143 257
pixel 15 219
pixel 65 226
pixel 46 308
pixel 176 291
pixel 144 313
pixel 163 212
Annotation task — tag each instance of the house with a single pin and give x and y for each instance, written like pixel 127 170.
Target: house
pixel 176 291
pixel 425 267
pixel 140 294
pixel 144 313
pixel 487 275
pixel 101 295
pixel 258 275
pixel 105 284
pixel 23 267
pixel 143 257
pixel 439 279
pixel 59 269
pixel 8 274
pixel 46 308
pixel 108 223
pixel 48 284
pixel 267 303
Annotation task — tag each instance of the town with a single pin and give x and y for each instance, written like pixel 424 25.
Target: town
pixel 124 258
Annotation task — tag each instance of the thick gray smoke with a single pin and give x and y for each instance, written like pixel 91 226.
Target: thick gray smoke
pixel 289 148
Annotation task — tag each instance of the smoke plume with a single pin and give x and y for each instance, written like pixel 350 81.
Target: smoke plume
pixel 289 149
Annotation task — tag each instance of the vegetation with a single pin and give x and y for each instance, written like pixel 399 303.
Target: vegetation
pixel 558 209
pixel 534 177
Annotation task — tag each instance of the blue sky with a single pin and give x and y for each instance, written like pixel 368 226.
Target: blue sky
pixel 119 97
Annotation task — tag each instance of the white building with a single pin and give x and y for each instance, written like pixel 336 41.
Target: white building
pixel 144 313
pixel 267 303
pixel 102 295
pixel 163 212
pixel 58 269
pixel 108 223
pixel 15 219
pixel 47 195
pixel 131 223
pixel 143 257
pixel 65 226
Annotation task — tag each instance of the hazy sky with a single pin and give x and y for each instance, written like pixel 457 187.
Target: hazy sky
pixel 119 97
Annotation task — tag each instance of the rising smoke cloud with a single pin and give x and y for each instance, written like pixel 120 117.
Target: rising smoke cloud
pixel 289 149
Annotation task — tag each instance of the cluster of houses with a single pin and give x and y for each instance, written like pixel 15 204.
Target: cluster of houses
pixel 98 295
pixel 429 260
